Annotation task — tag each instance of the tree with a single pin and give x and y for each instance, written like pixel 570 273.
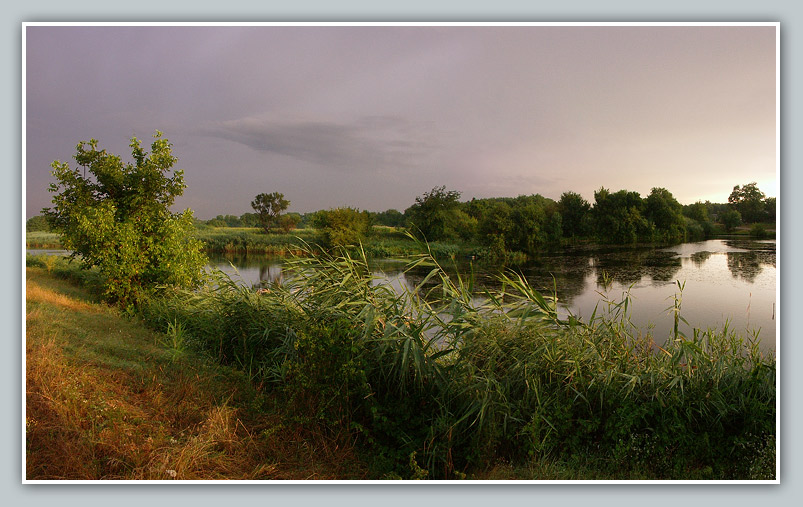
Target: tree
pixel 697 211
pixel 574 211
pixel 116 216
pixel 289 221
pixel 390 218
pixel 342 227
pixel 435 214
pixel 37 223
pixel 749 202
pixel 269 208
pixel 666 214
pixel 730 219
pixel 249 219
pixel 618 217
pixel 769 208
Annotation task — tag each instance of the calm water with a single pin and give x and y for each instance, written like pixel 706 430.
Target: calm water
pixel 725 280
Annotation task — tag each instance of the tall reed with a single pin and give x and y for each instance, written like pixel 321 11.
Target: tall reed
pixel 459 381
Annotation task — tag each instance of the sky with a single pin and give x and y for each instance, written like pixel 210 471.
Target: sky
pixel 373 116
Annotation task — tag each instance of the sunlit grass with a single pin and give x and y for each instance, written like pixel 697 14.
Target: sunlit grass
pixel 106 399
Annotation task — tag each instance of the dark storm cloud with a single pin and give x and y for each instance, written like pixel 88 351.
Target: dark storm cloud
pixel 370 143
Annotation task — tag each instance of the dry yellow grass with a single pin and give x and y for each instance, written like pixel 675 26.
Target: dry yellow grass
pixel 104 401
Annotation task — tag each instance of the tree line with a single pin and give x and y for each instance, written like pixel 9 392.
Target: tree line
pixel 525 223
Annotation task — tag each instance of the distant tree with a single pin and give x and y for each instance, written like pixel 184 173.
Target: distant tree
pixel 389 218
pixel 342 227
pixel 749 202
pixel 289 221
pixel 436 214
pixel 249 220
pixel 37 224
pixel 697 211
pixel 554 228
pixel 495 226
pixel 769 208
pixel 574 211
pixel 666 214
pixel 730 219
pixel 618 217
pixel 269 208
pixel 116 216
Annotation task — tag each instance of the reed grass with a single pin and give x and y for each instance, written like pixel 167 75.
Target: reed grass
pixel 433 378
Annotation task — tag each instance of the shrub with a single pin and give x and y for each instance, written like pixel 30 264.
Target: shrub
pixel 118 219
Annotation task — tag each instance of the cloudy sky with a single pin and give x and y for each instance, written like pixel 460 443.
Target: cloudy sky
pixel 373 116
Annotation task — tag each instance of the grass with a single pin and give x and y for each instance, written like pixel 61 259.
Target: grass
pixel 107 398
pixel 42 240
pixel 429 381
pixel 376 384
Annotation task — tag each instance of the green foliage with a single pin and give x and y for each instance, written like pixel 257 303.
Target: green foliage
pixel 225 221
pixel 249 220
pixel 758 231
pixel 697 211
pixel 749 201
pixel 618 217
pixel 38 223
pixel 436 215
pixel 390 218
pixel 342 227
pixel 289 222
pixel 665 213
pixel 433 382
pixel 730 219
pixel 118 219
pixel 269 208
pixel 575 214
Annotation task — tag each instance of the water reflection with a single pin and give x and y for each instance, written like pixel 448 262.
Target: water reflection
pixel 729 281
pixel 744 265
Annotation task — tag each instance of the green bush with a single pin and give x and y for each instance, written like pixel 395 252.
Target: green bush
pixel 119 220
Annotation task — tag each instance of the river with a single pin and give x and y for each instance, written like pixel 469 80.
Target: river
pixel 724 280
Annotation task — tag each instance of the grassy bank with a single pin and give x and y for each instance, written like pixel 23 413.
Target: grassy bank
pixel 382 242
pixel 107 398
pixel 433 383
pixel 42 240
pixel 425 384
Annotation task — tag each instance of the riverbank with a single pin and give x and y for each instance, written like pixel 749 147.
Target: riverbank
pixel 107 398
pixel 482 394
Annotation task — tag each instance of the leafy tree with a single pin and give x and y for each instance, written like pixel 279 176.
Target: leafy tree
pixel 269 208
pixel 697 211
pixel 618 217
pixel 749 202
pixel 342 227
pixel 38 223
pixel 390 218
pixel 495 226
pixel 575 214
pixel 436 214
pixel 666 214
pixel 289 221
pixel 769 208
pixel 730 219
pixel 116 216
pixel 249 220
